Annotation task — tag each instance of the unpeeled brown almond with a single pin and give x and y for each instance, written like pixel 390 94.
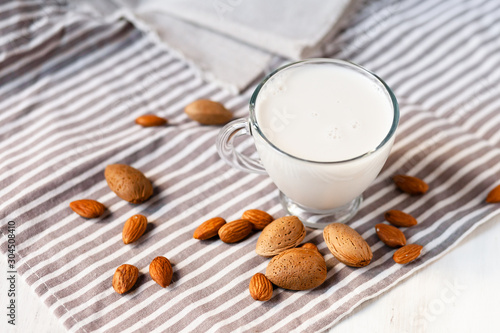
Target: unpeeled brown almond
pixel 208 112
pixel 124 278
pixel 150 120
pixel 161 271
pixel 494 195
pixel 390 235
pixel 134 228
pixel 235 231
pixel 258 218
pixel 410 185
pixel 399 218
pixel 310 246
pixel 261 289
pixel 407 253
pixel 209 228
pixel 87 208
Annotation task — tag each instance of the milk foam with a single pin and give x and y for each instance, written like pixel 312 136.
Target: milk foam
pixel 323 113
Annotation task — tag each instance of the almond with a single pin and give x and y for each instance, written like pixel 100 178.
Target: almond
pixel 134 228
pixel 347 245
pixel 390 235
pixel 410 185
pixel 310 246
pixel 87 208
pixel 128 183
pixel 494 195
pixel 261 289
pixel 208 112
pixel 282 234
pixel 161 271
pixel 235 231
pixel 150 120
pixel 407 253
pixel 209 228
pixel 258 218
pixel 297 269
pixel 124 278
pixel 399 218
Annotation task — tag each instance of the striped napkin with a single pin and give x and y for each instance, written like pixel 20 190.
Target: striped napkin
pixel 70 89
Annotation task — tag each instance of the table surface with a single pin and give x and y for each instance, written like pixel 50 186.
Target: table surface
pixel 457 293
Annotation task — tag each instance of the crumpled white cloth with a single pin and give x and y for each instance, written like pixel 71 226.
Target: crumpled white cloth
pixel 232 42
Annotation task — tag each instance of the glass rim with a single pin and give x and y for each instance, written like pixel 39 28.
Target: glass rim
pixel 387 138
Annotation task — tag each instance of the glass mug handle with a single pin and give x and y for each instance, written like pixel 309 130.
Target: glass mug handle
pixel 227 150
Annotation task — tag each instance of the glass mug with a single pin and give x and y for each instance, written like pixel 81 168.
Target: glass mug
pixel 319 193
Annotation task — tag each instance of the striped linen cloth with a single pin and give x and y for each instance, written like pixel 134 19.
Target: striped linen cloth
pixel 70 89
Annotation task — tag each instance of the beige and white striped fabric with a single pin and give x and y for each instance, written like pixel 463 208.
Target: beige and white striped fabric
pixel 70 89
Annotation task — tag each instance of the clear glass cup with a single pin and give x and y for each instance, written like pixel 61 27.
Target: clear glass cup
pixel 319 193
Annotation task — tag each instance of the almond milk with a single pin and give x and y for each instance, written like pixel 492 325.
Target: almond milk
pixel 332 124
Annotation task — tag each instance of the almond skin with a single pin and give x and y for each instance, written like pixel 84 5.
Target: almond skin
pixel 410 185
pixel 128 183
pixel 124 278
pixel 407 253
pixel 208 112
pixel 150 120
pixel 235 231
pixel 161 271
pixel 494 195
pixel 390 235
pixel 87 208
pixel 347 245
pixel 399 218
pixel 261 289
pixel 310 246
pixel 209 228
pixel 258 218
pixel 134 228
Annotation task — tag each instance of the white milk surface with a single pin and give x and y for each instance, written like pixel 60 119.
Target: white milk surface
pixel 323 113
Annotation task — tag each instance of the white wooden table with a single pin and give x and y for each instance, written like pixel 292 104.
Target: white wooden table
pixel 458 293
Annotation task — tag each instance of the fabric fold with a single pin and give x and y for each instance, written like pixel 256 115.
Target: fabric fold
pixel 231 43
